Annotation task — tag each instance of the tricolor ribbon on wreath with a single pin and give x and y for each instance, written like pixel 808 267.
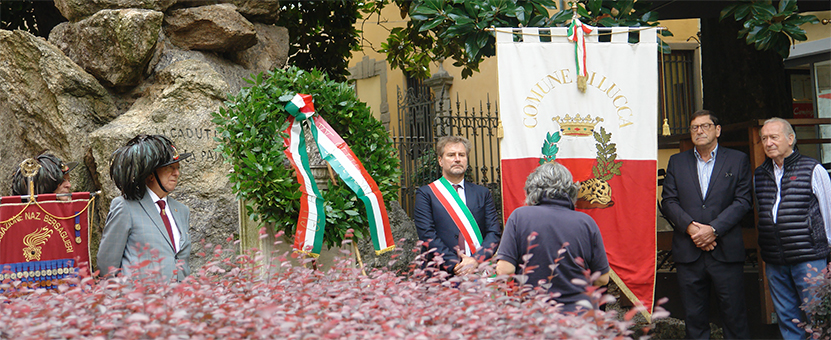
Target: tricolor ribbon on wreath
pixel 577 33
pixel 312 220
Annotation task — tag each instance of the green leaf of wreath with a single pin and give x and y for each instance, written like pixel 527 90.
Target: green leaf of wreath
pixel 266 181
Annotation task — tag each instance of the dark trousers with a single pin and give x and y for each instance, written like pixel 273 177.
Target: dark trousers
pixel 695 281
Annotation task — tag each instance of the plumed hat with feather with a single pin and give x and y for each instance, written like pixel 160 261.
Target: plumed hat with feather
pixel 139 158
pixel 48 178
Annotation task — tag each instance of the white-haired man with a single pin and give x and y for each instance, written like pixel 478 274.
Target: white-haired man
pixel 794 196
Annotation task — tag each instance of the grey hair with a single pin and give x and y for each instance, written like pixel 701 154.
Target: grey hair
pixel 786 127
pixel 550 180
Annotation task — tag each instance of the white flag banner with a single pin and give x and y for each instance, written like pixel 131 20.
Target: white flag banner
pixel 592 106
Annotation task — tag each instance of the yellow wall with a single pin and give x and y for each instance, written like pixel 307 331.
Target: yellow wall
pixel 372 88
pixel 817 31
pixel 683 30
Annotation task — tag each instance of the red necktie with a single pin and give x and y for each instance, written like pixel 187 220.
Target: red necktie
pixel 166 221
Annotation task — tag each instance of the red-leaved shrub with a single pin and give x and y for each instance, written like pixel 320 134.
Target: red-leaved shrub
pixel 233 297
pixel 818 308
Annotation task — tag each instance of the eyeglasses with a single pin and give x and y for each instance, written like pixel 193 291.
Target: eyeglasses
pixel 705 127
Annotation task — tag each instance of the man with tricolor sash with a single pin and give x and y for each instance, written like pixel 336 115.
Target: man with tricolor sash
pixel 456 218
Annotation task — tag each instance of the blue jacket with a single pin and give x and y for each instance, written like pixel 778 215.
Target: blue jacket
pixel 436 228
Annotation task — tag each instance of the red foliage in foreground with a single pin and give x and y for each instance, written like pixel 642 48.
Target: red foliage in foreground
pixel 231 298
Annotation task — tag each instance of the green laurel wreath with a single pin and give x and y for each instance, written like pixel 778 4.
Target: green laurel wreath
pixel 550 148
pixel 251 139
pixel 606 166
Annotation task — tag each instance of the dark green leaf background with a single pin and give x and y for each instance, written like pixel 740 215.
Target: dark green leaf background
pixel 251 138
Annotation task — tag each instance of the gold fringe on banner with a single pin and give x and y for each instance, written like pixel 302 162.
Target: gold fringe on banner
pixel 631 296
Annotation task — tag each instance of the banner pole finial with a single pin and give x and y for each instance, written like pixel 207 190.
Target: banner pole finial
pixel 29 168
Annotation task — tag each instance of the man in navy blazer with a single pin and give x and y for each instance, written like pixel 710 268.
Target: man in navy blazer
pixel 439 228
pixel 146 170
pixel 706 194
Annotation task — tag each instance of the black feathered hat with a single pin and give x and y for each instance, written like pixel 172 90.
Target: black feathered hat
pixel 132 163
pixel 47 179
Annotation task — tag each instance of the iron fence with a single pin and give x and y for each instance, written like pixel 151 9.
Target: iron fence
pixel 422 119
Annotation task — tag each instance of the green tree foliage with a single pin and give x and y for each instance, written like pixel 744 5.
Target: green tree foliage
pixel 17 15
pixel 36 17
pixel 321 34
pixel 767 27
pixel 251 139
pixel 457 29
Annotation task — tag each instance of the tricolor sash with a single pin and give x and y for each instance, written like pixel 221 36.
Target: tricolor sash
pixel 458 211
pixel 311 222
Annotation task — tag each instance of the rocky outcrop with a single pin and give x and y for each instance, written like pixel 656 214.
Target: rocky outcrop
pixel 115 46
pixel 47 102
pixel 114 71
pixel 404 230
pixel 210 28
pixel 179 106
pixel 75 10
pixel 264 11
pixel 270 52
pixel 231 72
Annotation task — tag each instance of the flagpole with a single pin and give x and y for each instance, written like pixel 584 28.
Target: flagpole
pixel 358 256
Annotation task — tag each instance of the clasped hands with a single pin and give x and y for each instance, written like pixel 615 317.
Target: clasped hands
pixel 467 265
pixel 702 235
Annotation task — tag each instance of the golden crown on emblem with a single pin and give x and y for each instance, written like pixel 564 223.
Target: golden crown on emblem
pixel 577 126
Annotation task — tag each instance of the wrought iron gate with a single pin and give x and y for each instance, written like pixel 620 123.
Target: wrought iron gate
pixel 422 119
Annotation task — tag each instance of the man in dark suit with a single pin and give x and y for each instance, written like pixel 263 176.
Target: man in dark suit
pixel 146 170
pixel 706 194
pixel 455 217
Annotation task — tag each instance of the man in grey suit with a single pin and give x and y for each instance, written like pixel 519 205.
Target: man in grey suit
pixel 144 219
pixel 706 194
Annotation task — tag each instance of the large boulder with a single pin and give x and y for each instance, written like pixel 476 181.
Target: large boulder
pixel 179 106
pixel 270 52
pixel 210 28
pixel 232 73
pixel 75 10
pixel 264 11
pixel 48 103
pixel 115 46
pixel 406 243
